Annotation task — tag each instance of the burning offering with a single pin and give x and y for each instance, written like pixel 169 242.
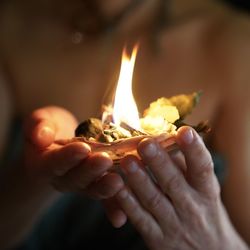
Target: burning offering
pixel 121 128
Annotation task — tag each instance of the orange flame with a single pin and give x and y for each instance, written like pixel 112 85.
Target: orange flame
pixel 125 108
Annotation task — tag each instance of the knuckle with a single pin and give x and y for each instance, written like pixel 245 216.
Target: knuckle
pixel 214 193
pixel 199 147
pixel 173 184
pixel 198 218
pixel 132 208
pixel 154 202
pixel 186 203
pixel 142 180
pixel 159 159
pixel 206 169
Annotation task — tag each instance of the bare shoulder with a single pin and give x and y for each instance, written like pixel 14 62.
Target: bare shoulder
pixel 5 113
pixel 238 49
pixel 232 44
pixel 231 57
pixel 232 125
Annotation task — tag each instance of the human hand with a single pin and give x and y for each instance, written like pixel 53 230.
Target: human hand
pixel 72 167
pixel 183 210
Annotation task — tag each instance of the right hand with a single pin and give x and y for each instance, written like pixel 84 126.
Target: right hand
pixel 69 168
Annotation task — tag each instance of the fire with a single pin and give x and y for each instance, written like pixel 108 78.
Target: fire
pixel 125 108
pixel 157 119
pixel 121 122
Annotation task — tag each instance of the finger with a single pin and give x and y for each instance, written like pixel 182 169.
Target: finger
pixel 138 216
pixel 114 212
pixel 79 178
pixel 105 187
pixel 168 175
pixel 179 160
pixel 64 122
pixel 152 199
pixel 47 124
pixel 39 129
pixel 200 168
pixel 58 161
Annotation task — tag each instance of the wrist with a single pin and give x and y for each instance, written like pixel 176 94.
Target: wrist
pixel 231 239
pixel 236 242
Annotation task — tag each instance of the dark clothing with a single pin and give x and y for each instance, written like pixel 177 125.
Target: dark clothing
pixel 75 222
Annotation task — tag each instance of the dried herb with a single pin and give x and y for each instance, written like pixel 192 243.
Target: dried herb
pixel 165 115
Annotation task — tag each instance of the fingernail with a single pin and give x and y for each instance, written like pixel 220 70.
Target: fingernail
pixel 46 132
pixel 150 150
pixel 188 136
pixel 132 167
pixel 105 154
pixel 82 153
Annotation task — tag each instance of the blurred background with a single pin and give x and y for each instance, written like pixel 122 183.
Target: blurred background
pixel 240 4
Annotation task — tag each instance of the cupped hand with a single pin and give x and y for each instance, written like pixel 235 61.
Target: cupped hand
pixel 72 167
pixel 176 207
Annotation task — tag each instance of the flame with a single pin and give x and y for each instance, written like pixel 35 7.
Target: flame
pixel 125 108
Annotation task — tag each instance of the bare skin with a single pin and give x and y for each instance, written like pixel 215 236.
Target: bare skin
pixel 184 210
pixel 43 59
pixel 45 168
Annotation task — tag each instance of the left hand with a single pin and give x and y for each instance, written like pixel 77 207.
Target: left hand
pixel 67 168
pixel 183 210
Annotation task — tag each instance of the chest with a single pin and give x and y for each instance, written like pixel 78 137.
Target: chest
pixel 78 76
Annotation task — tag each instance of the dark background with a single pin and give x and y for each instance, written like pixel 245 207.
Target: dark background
pixel 240 4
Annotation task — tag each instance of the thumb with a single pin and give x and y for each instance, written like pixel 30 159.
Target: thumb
pixel 39 129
